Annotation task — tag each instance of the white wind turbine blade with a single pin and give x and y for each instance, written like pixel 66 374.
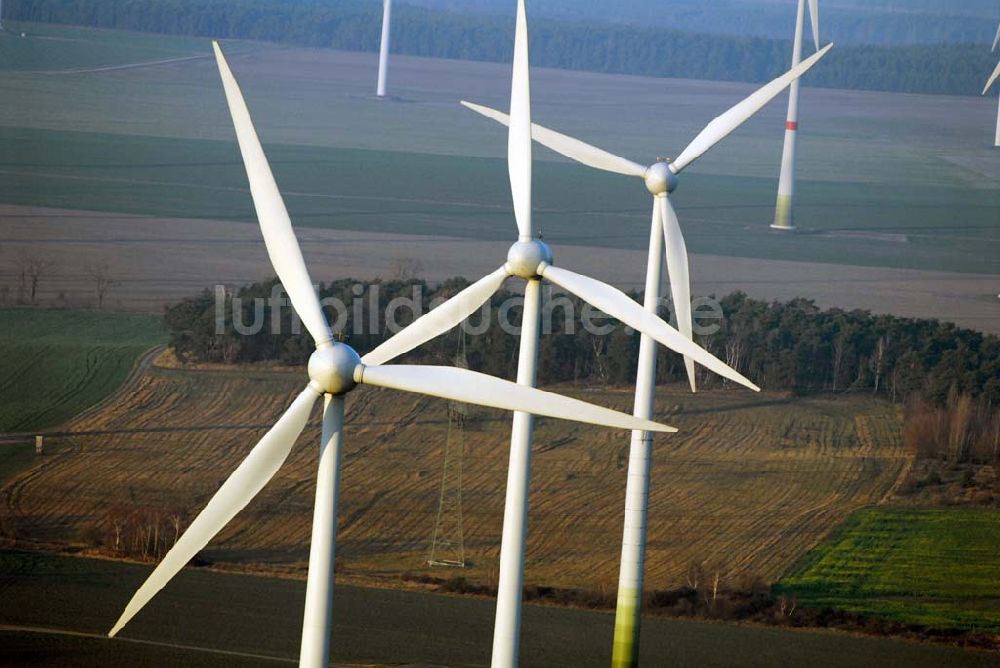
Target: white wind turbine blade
pixel 814 18
pixel 243 485
pixel 993 77
pixel 477 388
pixel 282 246
pixel 573 149
pixel 617 304
pixel 680 280
pixel 439 320
pixel 996 40
pixel 723 125
pixel 519 136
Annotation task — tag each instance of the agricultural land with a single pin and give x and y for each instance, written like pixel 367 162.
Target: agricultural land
pixel 120 154
pixel 55 363
pixel 206 618
pixel 748 485
pixel 935 567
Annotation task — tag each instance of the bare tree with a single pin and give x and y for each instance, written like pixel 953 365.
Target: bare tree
pixel 694 574
pixel 177 517
pixel 100 274
pixel 406 268
pixel 30 273
pixel 597 343
pixel 22 284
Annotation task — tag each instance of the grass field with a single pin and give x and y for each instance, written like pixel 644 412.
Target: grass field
pixel 886 180
pixel 949 228
pixel 54 48
pixel 749 485
pixel 54 363
pixel 255 615
pixel 938 567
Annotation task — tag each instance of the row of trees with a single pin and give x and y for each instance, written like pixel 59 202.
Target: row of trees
pixel 961 431
pixel 140 532
pixel 33 271
pixel 784 346
pixel 601 47
pixel 845 22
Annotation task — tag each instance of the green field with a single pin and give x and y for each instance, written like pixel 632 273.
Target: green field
pixel 885 180
pixel 55 363
pixel 949 228
pixel 257 615
pixel 938 568
pixel 55 47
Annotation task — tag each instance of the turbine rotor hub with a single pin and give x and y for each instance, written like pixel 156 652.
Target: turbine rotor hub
pixel 332 369
pixel 659 179
pixel 526 259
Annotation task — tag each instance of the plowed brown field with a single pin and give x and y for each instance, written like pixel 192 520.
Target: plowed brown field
pixel 748 485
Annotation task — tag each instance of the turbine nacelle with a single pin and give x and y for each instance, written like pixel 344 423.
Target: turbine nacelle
pixel 527 259
pixel 660 179
pixel 335 369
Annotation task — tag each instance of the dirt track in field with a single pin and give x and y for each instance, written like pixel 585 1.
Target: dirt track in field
pixel 156 261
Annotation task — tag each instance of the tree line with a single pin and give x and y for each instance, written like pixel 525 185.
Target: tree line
pixel 845 22
pixel 793 345
pixel 958 69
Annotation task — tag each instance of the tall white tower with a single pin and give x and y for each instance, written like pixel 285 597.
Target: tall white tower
pixel 383 53
pixel 996 41
pixel 783 215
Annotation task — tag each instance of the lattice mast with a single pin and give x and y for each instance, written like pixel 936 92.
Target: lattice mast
pixel 448 542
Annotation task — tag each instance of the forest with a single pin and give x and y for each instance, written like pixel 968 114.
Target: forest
pixel 793 346
pixel 843 21
pixel 593 45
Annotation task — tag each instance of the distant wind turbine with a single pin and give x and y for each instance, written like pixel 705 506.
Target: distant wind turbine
pixel 383 51
pixel 989 84
pixel 784 217
pixel 334 370
pixel 661 179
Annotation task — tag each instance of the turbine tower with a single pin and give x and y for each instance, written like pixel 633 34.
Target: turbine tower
pixel 383 51
pixel 784 218
pixel 334 370
pixel 531 259
pixel 989 84
pixel 661 179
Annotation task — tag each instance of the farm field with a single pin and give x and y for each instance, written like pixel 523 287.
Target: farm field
pixel 52 48
pixel 949 228
pixel 158 261
pixel 225 613
pixel 935 567
pixel 886 180
pixel 749 485
pixel 55 363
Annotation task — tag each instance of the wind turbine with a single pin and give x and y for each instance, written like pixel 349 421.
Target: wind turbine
pixel 531 259
pixel 661 179
pixel 783 212
pixel 383 52
pixel 334 370
pixel 989 84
